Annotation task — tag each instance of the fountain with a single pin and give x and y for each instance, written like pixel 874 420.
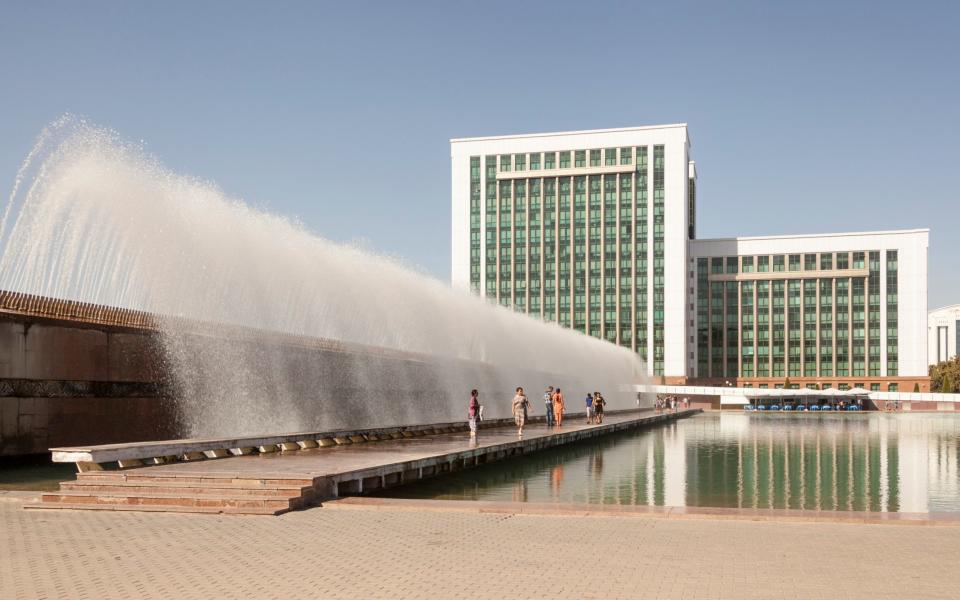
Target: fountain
pixel 96 219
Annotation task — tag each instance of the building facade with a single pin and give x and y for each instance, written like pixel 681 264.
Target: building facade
pixel 943 334
pixel 810 311
pixel 586 229
pixel 596 231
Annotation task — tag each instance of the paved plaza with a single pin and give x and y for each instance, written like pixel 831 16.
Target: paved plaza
pixel 358 553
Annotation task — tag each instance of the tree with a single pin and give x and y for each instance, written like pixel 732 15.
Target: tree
pixel 786 383
pixel 947 385
pixel 944 376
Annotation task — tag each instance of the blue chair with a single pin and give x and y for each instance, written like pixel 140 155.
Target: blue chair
pixel 787 407
pixel 826 407
pixel 853 407
pixel 747 407
pixel 761 407
pixel 814 407
pixel 775 407
pixel 801 407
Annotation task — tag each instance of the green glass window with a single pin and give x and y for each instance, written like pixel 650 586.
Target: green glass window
pixel 843 260
pixel 550 160
pixel 580 159
pixel 747 264
pixel 535 161
pixel 716 265
pixel 594 158
pixel 763 264
pixel 858 260
pixel 794 262
pixel 565 160
pixel 778 263
pixel 610 156
pixel 626 156
pixel 520 162
pixel 826 261
pixel 505 162
pixel 809 262
pixel 731 264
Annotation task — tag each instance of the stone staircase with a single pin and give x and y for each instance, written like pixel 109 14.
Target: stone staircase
pixel 120 491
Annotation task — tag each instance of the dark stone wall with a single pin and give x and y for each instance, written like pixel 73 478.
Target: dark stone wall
pixel 64 383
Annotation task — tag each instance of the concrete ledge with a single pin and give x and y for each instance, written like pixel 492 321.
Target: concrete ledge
pixel 643 510
pixel 361 481
pixel 211 448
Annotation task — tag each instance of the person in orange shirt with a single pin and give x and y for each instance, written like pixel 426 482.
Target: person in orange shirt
pixel 558 407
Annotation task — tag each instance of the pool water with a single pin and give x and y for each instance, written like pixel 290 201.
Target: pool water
pixel 37 474
pixel 850 462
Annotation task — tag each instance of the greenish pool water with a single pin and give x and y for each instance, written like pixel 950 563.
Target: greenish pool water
pixel 860 462
pixel 34 474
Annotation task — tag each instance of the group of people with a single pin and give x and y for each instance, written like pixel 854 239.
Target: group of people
pixel 671 403
pixel 553 403
pixel 595 403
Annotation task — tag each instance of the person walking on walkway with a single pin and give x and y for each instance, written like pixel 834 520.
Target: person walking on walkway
pixel 548 402
pixel 473 412
pixel 558 407
pixel 589 401
pixel 519 409
pixel 598 403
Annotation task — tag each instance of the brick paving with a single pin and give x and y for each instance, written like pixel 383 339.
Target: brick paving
pixel 386 553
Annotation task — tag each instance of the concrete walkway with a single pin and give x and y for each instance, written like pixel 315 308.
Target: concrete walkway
pixel 273 483
pixel 429 554
pixel 325 462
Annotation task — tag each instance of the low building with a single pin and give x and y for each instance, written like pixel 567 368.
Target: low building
pixel 943 334
pixel 829 311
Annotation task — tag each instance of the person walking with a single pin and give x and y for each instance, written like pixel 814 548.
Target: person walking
pixel 519 409
pixel 589 401
pixel 548 402
pixel 473 412
pixel 598 403
pixel 558 407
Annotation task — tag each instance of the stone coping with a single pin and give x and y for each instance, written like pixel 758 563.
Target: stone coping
pixel 666 512
pixel 162 451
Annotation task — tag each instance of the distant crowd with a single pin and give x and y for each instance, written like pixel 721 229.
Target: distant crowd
pixel 554 406
pixel 671 403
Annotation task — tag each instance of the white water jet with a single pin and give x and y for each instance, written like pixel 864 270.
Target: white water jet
pixel 95 219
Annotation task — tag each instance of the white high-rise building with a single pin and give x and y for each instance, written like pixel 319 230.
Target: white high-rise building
pixel 588 229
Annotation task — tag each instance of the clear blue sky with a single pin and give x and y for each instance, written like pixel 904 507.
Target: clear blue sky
pixel 804 117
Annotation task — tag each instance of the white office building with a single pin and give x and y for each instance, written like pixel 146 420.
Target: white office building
pixel 587 229
pixel 595 230
pixel 835 311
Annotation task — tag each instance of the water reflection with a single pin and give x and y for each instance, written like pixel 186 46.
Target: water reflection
pixel 874 462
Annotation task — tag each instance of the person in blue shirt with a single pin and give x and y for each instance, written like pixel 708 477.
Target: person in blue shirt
pixel 589 402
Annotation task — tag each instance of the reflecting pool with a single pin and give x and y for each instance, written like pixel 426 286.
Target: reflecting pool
pixel 860 462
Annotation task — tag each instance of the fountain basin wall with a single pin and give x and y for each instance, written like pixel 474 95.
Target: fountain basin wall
pixel 65 382
pixel 76 374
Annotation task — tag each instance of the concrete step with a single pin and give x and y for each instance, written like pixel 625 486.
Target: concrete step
pixel 121 477
pixel 193 489
pixel 155 509
pixel 163 500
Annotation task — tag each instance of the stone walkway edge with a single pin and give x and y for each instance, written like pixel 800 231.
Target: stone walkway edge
pixel 663 512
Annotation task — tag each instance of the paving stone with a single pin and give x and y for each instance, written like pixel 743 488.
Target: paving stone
pixel 429 554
